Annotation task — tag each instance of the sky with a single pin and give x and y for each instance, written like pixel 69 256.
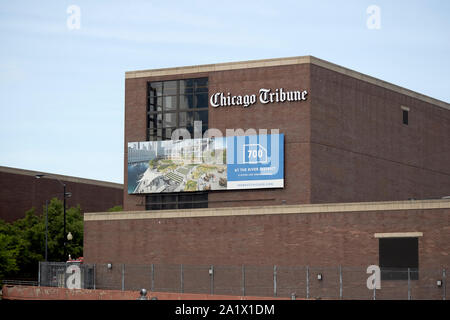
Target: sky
pixel 62 70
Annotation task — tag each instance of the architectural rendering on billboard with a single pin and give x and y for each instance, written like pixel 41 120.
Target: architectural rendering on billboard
pixel 218 163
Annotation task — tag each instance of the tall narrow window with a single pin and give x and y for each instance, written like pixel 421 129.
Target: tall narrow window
pixel 171 105
pixel 405 112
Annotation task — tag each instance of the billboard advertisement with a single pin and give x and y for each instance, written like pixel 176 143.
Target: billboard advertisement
pixel 217 163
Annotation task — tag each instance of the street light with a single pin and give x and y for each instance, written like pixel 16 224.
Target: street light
pixel 40 175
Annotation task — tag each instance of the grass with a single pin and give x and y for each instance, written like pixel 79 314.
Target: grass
pixel 202 169
pixel 191 186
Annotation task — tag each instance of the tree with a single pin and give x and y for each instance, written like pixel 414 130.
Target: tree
pixel 115 209
pixel 74 225
pixel 8 251
pixel 22 243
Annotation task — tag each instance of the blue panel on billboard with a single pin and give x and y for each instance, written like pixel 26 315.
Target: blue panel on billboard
pixel 257 162
pixel 224 163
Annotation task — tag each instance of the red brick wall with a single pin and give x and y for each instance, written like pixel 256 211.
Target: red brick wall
pixel 346 143
pixel 19 193
pixel 135 129
pixel 316 239
pixel 362 151
pixel 291 118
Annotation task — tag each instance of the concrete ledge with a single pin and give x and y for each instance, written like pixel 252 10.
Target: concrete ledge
pixel 399 235
pixel 217 67
pixel 271 210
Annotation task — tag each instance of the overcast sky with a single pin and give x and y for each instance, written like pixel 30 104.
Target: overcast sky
pixel 62 88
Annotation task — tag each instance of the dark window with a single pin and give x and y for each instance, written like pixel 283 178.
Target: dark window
pixel 185 201
pixel 176 201
pixel 154 203
pixel 156 88
pixel 186 119
pixel 170 120
pixel 169 201
pixel 169 88
pixel 201 116
pixel 397 255
pixel 200 82
pixel 187 101
pixel 200 200
pixel 171 105
pixel 201 100
pixel 176 104
pixel 405 117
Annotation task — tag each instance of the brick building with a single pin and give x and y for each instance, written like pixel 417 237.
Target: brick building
pixel 346 143
pixel 366 171
pixel 20 191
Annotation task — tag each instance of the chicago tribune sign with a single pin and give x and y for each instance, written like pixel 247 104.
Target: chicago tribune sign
pixel 265 96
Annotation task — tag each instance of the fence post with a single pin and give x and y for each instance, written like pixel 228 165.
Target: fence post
pixel 95 273
pixel 39 274
pixel 409 285
pixel 307 282
pixel 123 276
pixel 153 277
pixel 274 280
pixel 211 277
pixel 340 282
pixel 243 280
pixel 181 278
pixel 46 230
pixel 444 283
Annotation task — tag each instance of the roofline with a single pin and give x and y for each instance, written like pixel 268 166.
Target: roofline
pixel 61 177
pixel 281 62
pixel 272 210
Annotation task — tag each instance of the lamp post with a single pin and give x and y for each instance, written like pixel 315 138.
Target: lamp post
pixel 46 229
pixel 38 176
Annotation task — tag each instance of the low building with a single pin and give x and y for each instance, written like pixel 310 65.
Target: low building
pixel 20 191
pixel 321 166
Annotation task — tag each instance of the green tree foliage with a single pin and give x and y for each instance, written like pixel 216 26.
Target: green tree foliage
pixel 22 243
pixel 8 251
pixel 115 209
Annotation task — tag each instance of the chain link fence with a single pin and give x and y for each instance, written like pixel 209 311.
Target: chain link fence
pixel 268 281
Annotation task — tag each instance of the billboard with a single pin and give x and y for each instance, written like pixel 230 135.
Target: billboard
pixel 217 163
